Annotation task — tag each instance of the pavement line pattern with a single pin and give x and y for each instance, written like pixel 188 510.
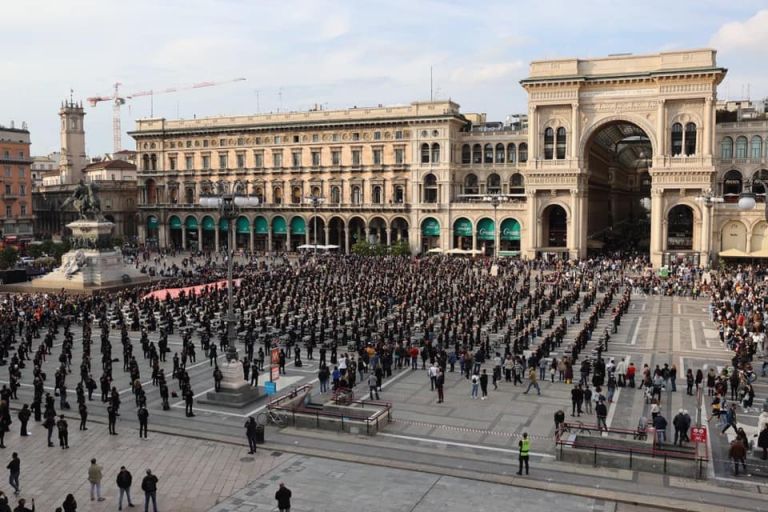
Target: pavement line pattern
pixel 463 445
pixel 512 435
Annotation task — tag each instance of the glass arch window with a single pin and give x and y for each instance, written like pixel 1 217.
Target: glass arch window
pixel 430 188
pixel 488 154
pixel 466 154
pixel 523 152
pixel 470 184
pixel 726 148
pixel 511 153
pixel 425 153
pixel 493 185
pixel 435 153
pixel 500 153
pixel 561 143
pixel 690 139
pixel 477 154
pixel 741 147
pixel 757 148
pixel 549 144
pixel 677 139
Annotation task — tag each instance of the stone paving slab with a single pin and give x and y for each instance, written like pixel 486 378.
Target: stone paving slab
pixel 325 485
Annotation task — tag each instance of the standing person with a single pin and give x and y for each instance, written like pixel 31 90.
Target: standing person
pixel 94 477
pixel 14 471
pixel 111 420
pixel 432 376
pixel 689 379
pixel 22 507
pixel 69 504
pixel 475 385
pixel 83 409
pixel 524 447
pixel 738 453
pixel 149 486
pixel 189 399
pixel 143 415
pixel 250 433
pixel 49 423
pixel 124 481
pixel 440 384
pixel 24 415
pixel 373 386
pixel 484 384
pixel 283 497
pixel 601 411
pixel 63 432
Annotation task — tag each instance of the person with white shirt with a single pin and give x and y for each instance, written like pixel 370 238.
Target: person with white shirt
pixel 432 375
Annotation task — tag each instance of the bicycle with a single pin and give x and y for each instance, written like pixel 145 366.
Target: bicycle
pixel 270 416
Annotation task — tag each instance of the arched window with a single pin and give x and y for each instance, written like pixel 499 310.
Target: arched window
pixel 477 154
pixel 549 144
pixel 757 188
pixel 335 195
pixel 561 143
pixel 493 185
pixel 316 191
pixel 488 154
pixel 466 154
pixel 517 184
pixel 277 195
pixel 425 153
pixel 259 193
pixel 757 148
pixel 690 139
pixel 511 153
pixel 377 199
pixel 726 148
pixel 732 183
pixel 357 196
pixel 430 189
pixel 680 228
pixel 399 194
pixel 741 147
pixel 523 152
pixel 145 162
pixel 677 139
pixel 296 195
pixel 499 153
pixel 435 153
pixel 470 184
pixel 153 161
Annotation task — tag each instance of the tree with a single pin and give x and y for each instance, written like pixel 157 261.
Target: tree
pixel 401 248
pixel 362 248
pixel 8 257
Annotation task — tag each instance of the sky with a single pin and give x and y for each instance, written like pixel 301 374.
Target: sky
pixel 296 54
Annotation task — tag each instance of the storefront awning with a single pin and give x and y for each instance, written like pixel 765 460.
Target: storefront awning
pixel 278 226
pixel 191 223
pixel 430 227
pixel 209 224
pixel 243 227
pixel 485 230
pixel 735 253
pixel 174 222
pixel 462 227
pixel 260 226
pixel 510 230
pixel 298 226
pixel 152 222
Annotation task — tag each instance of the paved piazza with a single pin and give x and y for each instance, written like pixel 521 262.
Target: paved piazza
pixel 458 455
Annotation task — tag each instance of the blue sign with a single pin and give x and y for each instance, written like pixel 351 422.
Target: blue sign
pixel 270 388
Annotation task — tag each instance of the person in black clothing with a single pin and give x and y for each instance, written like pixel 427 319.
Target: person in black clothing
pixel 250 433
pixel 83 409
pixel 189 399
pixel 577 398
pixel 49 423
pixel 149 486
pixel 164 395
pixel 143 415
pixel 124 481
pixel 14 470
pixel 484 384
pixel 112 419
pixel 255 375
pixel 22 507
pixel 24 415
pixel 283 497
pixel 63 432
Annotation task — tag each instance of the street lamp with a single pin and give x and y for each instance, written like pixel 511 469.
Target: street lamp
pixel 708 199
pixel 747 200
pixel 228 199
pixel 495 200
pixel 316 201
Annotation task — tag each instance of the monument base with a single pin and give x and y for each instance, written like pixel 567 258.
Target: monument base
pixel 234 398
pixel 90 268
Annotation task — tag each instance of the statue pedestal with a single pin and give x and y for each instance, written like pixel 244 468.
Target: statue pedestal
pixel 93 264
pixel 235 390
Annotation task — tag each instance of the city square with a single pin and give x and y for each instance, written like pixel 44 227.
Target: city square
pixel 356 264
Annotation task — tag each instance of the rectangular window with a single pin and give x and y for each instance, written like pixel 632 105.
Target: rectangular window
pixel 398 134
pixel 8 211
pixel 223 161
pixel 277 139
pixel 356 157
pixel 258 160
pixel 22 172
pixel 335 137
pixel 240 161
pixel 315 137
pixel 277 159
pixel 295 139
pixel 189 163
pixel 315 159
pixel 355 135
pixel 222 142
pixel 23 209
pixel 377 157
pixel 376 135
pixel 7 171
pixel 205 143
pixel 336 157
pixel 189 144
pixel 399 156
pixel 172 163
pixel 22 190
pixel 296 159
pixel 206 162
pixel 7 190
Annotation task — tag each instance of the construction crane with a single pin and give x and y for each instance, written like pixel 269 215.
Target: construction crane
pixel 119 100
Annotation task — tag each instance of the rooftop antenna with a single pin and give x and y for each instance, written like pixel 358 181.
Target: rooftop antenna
pixel 280 99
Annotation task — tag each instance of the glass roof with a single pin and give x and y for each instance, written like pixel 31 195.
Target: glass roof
pixel 629 144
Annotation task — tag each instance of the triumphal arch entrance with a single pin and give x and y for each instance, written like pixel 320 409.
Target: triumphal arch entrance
pixel 619 149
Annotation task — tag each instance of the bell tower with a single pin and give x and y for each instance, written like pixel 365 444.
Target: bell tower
pixel 73 159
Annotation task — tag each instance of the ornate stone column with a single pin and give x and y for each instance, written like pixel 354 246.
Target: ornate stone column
pixel 183 236
pixel 706 235
pixel 216 237
pixel 533 224
pixel 657 216
pixel 575 131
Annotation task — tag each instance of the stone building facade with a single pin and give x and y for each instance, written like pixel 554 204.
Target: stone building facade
pixel 609 142
pixel 16 218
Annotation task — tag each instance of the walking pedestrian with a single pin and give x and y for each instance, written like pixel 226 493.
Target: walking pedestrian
pixel 601 411
pixel 124 480
pixel 14 471
pixel 94 477
pixel 524 447
pixel 283 497
pixel 440 384
pixel 738 454
pixel 149 486
pixel 250 433
pixel 373 386
pixel 532 383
